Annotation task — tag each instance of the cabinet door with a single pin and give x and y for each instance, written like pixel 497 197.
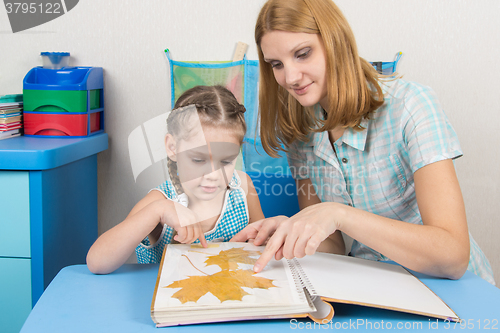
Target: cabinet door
pixel 15 293
pixel 14 214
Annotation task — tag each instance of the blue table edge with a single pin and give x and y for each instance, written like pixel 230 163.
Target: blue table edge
pixel 38 153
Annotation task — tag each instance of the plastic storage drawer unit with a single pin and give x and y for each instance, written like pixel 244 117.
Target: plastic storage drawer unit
pixel 63 102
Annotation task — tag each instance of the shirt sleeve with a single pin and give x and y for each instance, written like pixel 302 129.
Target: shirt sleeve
pixel 427 132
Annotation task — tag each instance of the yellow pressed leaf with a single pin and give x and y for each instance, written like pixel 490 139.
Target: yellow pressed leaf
pixel 225 285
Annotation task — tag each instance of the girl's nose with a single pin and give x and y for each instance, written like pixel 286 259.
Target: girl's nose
pixel 213 173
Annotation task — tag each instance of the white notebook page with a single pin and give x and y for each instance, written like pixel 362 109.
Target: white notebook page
pixel 355 280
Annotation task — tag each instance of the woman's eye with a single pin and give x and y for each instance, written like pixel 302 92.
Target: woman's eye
pixel 276 64
pixel 304 53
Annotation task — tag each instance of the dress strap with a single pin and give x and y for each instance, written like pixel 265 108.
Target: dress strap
pixel 235 181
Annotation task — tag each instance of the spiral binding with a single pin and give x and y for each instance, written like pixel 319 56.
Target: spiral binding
pixel 302 282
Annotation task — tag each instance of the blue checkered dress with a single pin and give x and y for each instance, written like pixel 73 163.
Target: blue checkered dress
pixel 233 218
pixel 373 169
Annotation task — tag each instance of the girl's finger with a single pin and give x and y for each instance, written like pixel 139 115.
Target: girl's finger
pixel 186 238
pixel 196 233
pixel 181 234
pixel 202 239
pixel 190 234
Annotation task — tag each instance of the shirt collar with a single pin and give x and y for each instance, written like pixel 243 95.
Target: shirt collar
pixel 356 138
pixel 351 137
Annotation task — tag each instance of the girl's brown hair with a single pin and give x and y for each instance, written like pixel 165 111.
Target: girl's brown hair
pixel 352 83
pixel 216 107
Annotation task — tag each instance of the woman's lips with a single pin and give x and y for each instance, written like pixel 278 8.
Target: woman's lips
pixel 302 90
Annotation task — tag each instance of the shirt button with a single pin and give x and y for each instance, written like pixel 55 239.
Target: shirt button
pixel 344 160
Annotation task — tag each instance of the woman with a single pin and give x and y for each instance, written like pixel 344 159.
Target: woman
pixel 372 155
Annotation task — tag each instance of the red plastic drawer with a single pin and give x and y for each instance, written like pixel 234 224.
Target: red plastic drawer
pixel 60 124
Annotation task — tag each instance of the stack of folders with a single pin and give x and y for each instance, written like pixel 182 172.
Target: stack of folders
pixel 11 109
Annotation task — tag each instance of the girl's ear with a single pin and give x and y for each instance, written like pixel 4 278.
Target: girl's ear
pixel 170 147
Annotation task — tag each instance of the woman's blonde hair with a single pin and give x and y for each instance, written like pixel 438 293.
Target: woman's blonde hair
pixel 352 83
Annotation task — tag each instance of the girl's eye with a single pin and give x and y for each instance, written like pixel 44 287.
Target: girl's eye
pixel 198 161
pixel 225 162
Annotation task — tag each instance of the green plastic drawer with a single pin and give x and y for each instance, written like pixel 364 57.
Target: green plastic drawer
pixel 60 100
pixel 95 99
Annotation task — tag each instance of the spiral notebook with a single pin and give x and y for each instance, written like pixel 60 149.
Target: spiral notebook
pixel 214 284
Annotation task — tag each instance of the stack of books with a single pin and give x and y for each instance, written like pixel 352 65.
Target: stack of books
pixel 11 109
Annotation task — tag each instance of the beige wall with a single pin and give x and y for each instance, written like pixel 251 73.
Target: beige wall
pixel 450 45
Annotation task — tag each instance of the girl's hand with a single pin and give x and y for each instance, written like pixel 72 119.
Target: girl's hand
pixel 190 233
pixel 301 234
pixel 185 222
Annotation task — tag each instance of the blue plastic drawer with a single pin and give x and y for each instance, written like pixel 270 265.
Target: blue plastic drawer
pixel 15 293
pixel 15 214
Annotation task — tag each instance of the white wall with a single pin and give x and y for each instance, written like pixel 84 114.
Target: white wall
pixel 450 45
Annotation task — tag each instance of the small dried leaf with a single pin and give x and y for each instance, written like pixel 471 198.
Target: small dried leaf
pixel 229 259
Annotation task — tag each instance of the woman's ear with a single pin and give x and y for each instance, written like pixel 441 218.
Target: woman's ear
pixel 170 147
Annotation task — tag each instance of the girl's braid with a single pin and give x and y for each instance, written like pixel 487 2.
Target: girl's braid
pixel 174 177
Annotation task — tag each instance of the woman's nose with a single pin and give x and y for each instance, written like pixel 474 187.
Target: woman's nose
pixel 292 75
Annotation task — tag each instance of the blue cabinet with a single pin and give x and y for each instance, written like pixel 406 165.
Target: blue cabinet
pixel 48 215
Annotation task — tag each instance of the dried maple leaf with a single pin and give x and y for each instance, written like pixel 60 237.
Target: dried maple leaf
pixel 225 285
pixel 229 259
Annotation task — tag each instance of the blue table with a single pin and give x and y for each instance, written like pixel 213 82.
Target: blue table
pixel 78 301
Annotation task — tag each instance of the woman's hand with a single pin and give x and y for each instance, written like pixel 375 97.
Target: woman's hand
pixel 259 231
pixel 185 222
pixel 299 235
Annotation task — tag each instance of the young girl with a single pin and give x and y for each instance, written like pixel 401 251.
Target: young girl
pixel 206 198
pixel 372 156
